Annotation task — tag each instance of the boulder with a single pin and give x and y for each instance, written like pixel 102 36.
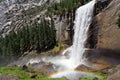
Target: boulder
pixel 108 31
pixel 46 69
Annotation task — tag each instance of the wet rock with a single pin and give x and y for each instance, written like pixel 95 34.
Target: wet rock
pixel 102 58
pixel 46 69
pixel 37 65
pixel 84 68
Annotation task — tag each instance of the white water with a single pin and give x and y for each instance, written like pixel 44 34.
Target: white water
pixel 82 22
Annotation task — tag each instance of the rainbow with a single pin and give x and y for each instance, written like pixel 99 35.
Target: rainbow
pixel 68 74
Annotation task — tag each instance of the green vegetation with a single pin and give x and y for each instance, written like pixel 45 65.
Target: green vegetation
pixel 38 37
pixel 23 75
pixel 66 6
pixel 101 75
pixel 58 47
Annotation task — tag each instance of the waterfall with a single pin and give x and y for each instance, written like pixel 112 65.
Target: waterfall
pixel 82 22
pixel 75 53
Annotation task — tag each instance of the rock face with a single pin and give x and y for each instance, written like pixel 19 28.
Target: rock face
pixel 114 74
pixel 64 26
pixel 12 16
pixel 108 31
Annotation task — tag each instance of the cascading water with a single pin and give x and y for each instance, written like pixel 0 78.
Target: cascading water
pixel 82 22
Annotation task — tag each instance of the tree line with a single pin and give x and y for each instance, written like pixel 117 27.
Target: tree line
pixel 66 6
pixel 38 36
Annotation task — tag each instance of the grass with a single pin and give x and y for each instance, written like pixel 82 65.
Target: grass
pixel 23 75
pixel 15 71
pixel 58 47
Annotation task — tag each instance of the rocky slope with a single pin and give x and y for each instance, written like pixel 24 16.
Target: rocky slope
pixel 106 36
pixel 108 30
pixel 12 14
